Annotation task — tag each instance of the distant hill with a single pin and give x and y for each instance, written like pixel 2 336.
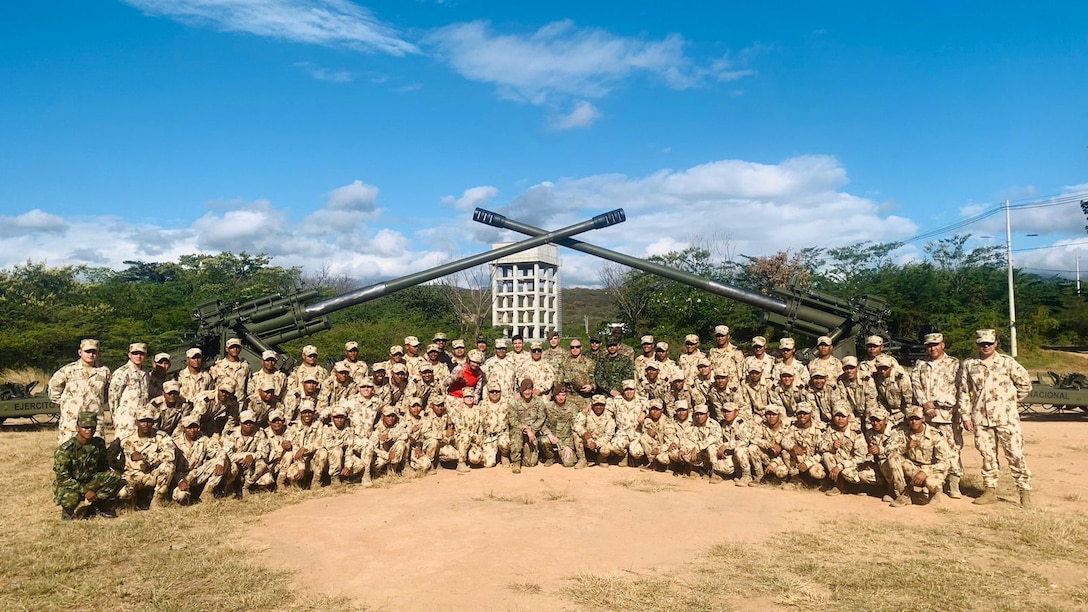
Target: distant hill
pixel 579 303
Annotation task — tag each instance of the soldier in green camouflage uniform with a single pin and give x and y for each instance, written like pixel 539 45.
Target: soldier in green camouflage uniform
pixel 82 478
pixel 990 387
pixel 559 419
pixel 526 424
pixel 612 369
pixel 79 387
pixel 148 460
pixel 577 372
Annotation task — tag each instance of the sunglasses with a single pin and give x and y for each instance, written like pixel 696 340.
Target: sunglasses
pixel 986 344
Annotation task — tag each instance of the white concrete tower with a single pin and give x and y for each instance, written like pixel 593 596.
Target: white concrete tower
pixel 525 292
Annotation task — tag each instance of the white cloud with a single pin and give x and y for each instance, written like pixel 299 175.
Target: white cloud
pixel 324 74
pixel 583 115
pixel 1055 216
pixel 331 23
pixel 561 58
pixel 471 198
pixel 34 221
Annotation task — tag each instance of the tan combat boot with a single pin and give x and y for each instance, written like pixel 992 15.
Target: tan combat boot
pixel 954 487
pixel 989 496
pixel 461 467
pixel 516 468
pixel 902 500
pixel 1025 499
pixel 624 462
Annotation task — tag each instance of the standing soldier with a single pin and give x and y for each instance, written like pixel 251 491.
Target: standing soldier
pixel 307 368
pixel 268 388
pixel 760 356
pixel 722 392
pixel 934 384
pixel 468 378
pixel 160 373
pixel 82 479
pixel 128 391
pixel 519 355
pixel 577 372
pixel 874 348
pixel 79 387
pixel 892 387
pixel 427 386
pixel 501 369
pixel 541 371
pixel 856 390
pixel 555 353
pixel 305 395
pixel 194 379
pixel 359 369
pixel 612 369
pixel 645 358
pixel 148 460
pixel 440 339
pixel 665 365
pixel 441 370
pixel 337 387
pixel 691 356
pixel 596 349
pixel 615 331
pixel 990 387
pixel 233 366
pixel 824 361
pixel 201 462
pixel 412 358
pixel 725 356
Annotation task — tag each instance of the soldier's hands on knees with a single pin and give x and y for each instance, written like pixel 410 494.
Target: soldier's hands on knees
pixel 776 449
pixel 183 485
pixel 137 456
pixel 919 479
pixel 286 444
pixel 219 469
pixel 553 439
pixel 798 450
pixel 835 473
pixel 91 496
pixel 248 461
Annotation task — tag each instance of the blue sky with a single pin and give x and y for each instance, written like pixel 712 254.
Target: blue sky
pixel 357 137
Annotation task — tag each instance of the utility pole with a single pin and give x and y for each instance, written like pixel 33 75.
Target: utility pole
pixel 1078 274
pixel 1012 297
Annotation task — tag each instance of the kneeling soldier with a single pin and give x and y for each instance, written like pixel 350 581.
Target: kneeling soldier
pixel 83 481
pixel 201 462
pixel 921 454
pixel 149 460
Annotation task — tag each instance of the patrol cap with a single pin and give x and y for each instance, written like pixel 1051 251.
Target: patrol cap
pixel 803 407
pixel 681 404
pixel 276 414
pixel 721 330
pixel 194 352
pixel 703 408
pixel 341 366
pixel 458 343
pixel 310 377
pixel 396 348
pixel 308 350
pixel 378 367
pixel 171 386
pixel 874 341
pixel 818 373
pixel 145 414
pixel 440 336
pixel 703 361
pixel 775 408
pixel 494 386
pixel 269 354
pixel 338 410
pixel 879 412
pixel 884 361
pixel 759 341
pixel 388 410
pixel 730 407
pixel 351 346
pixel 598 399
pixel 426 367
pixel 849 360
pixel 824 340
pixel 307 407
pixel 652 365
pixel 647 339
pixel 936 338
pixel 662 346
pixel 721 373
pixel 753 364
pixel 786 370
pixel 233 342
pixel 915 410
pixel 433 347
pixel 269 385
pixel 476 356
pixel 189 420
pixel 985 335
pixel 501 343
pixel 786 343
pixel 533 346
pixel 691 338
pixel 657 404
pixel 227 384
pixel 247 416
pixel 437 399
pixel 366 382
pixel 840 411
pixel 411 341
pixel 400 368
pixel 415 401
pixel 88 344
pixel 138 347
pixel 162 357
pixel 628 384
pixel 87 418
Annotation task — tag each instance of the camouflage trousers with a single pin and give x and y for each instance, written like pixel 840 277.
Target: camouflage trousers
pixel 470 450
pixel 627 444
pixel 953 432
pixel 391 454
pixel 735 462
pixel 766 462
pixel 158 479
pixel 335 461
pixel 66 426
pixel 849 470
pixel 124 422
pixel 440 452
pixel 593 449
pixel 682 454
pixel 498 444
pixel 256 474
pixel 200 479
pixel 1008 438
pixel 293 470
pixel 522 451
pixel 654 451
pixel 563 453
pixel 420 455
pixel 808 465
pixel 106 486
pixel 902 470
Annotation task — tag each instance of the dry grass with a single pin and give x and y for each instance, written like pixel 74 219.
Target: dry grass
pixel 26 376
pixel 527 499
pixel 526 588
pixel 646 485
pixel 1040 361
pixel 173 559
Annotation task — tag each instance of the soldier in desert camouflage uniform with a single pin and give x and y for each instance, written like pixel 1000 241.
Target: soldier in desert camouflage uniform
pixel 893 390
pixel 82 479
pixel 444 448
pixel 990 387
pixel 683 444
pixel 855 390
pixel 762 357
pixel 364 409
pixel 388 445
pixel 420 444
pixel 786 392
pixel 875 469
pixel 843 449
pixel 358 367
pixel 307 369
pixel 754 393
pixel 690 357
pixel 918 457
pixel 469 425
pixel 159 374
pixel 642 360
pixel 658 435
pixel 169 408
pixel 934 384
pixel 822 396
pixel 247 451
pixel 707 437
pixel 733 455
pixel 824 361
pixel 788 349
pixel 278 445
pixel 218 409
pixel 79 387
pixel 194 379
pixel 200 462
pixel 722 392
pixel 502 369
pixel 307 392
pixel 427 386
pixel 338 386
pixel 767 446
pixel 148 456
pixel 725 356
pixel 628 409
pixel 593 433
pixel 338 456
pixel 268 388
pixel 233 366
pixel 303 438
pixel 542 372
pixel 801 445
pixel 652 385
pixel 701 384
pixel 497 436
pixel 128 391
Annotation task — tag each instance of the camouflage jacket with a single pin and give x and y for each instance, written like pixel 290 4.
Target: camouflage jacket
pixel 157 450
pixel 74 464
pixel 577 373
pixel 238 370
pixel 707 436
pixel 521 414
pixel 627 414
pixel 238 446
pixel 935 381
pixel 851 446
pixel 808 438
pixel 612 371
pixel 989 390
pixel 859 395
pixel 600 427
pixel 927 448
pixel 541 372
pixel 559 419
pixel 192 455
pixel 195 384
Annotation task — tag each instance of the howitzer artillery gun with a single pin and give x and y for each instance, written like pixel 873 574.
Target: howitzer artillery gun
pixel 810 313
pixel 267 322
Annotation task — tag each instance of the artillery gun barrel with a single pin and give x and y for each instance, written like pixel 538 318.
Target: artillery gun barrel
pixel 813 319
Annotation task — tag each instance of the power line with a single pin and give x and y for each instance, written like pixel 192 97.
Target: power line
pixel 1050 246
pixel 1050 201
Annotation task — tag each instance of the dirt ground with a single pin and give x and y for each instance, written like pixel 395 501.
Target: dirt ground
pixel 491 539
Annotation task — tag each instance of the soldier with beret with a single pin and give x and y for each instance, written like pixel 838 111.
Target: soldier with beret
pixel 82 480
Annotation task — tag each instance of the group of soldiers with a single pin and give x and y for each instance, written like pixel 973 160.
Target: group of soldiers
pixel 846 426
